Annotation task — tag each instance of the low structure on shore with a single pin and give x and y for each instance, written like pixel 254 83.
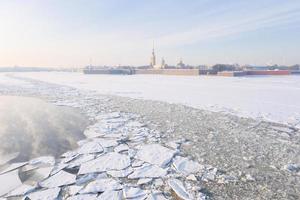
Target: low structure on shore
pixel 189 72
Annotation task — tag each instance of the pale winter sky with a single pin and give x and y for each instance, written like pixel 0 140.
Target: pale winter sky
pixel 110 32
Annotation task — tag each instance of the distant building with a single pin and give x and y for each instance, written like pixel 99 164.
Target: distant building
pixel 163 64
pixel 181 65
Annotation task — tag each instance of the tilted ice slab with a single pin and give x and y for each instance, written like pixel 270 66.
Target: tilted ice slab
pixel 49 194
pixel 186 166
pixel 143 181
pixel 120 173
pixel 59 179
pixel 90 147
pixel 121 148
pixel 92 133
pixel 74 189
pixel 156 154
pixel 21 190
pixel 106 142
pixel 156 196
pixel 82 159
pixel 178 187
pixel 9 181
pixel 43 160
pixel 13 166
pixel 148 171
pixel 110 195
pixel 83 197
pixel 40 174
pixel 134 192
pixel 109 161
pixel 101 185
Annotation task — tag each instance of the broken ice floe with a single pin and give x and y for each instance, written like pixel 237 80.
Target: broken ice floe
pixel 292 167
pixel 58 179
pixel 73 189
pixel 143 181
pixel 186 166
pixel 179 189
pixel 109 161
pixel 156 196
pixel 90 147
pixel 156 154
pixel 47 194
pixel 134 192
pixel 101 185
pixel 21 190
pixel 44 160
pixel 110 195
pixel 79 160
pixel 13 166
pixel 120 173
pixel 148 171
pixel 121 148
pixel 9 181
pixel 83 197
pixel 106 142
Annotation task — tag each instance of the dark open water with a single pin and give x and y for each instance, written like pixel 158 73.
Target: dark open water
pixel 34 128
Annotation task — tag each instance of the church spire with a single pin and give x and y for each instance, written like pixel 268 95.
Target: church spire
pixel 153 58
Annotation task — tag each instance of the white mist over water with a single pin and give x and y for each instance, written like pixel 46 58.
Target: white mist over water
pixel 34 128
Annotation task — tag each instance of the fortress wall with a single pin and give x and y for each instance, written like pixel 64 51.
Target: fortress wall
pixel 269 72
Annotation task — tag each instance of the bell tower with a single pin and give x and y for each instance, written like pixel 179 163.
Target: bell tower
pixel 153 58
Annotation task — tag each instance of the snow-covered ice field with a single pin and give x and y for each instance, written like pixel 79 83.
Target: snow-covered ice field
pixel 274 98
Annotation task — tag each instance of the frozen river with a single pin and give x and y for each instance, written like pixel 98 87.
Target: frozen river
pixel 274 98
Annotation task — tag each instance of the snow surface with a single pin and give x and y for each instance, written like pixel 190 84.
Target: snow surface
pixel 274 98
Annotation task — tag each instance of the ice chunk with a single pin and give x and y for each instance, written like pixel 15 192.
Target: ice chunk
pixel 90 133
pixel 40 174
pixel 106 142
pixel 43 160
pixel 179 189
pixel 21 190
pixel 58 168
pixel 186 166
pixel 74 189
pixel 83 197
pixel 155 154
pixel 135 124
pixel 292 167
pixel 59 179
pixel 134 192
pixel 9 181
pixel 156 196
pixel 173 145
pixel 144 181
pixel 121 148
pixel 86 178
pixel 120 173
pixel 109 161
pixel 49 194
pixel 148 171
pixel 69 154
pixel 13 167
pixel 101 185
pixel 137 163
pixel 110 195
pixel 82 159
pixel 90 147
